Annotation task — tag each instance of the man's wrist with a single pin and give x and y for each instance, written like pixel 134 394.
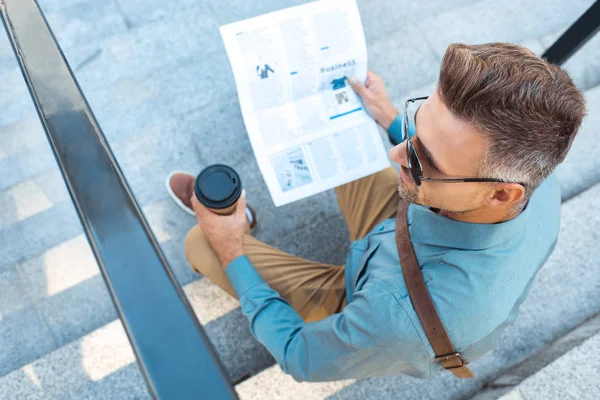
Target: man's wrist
pixel 388 117
pixel 227 257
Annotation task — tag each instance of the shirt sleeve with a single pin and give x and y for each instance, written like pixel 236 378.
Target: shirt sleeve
pixel 331 349
pixel 395 129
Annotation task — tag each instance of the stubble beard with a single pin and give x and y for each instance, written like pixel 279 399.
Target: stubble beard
pixel 405 192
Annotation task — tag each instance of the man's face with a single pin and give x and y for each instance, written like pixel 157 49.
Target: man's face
pixel 455 148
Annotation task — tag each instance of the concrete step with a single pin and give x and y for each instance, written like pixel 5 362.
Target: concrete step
pixel 581 168
pixel 103 357
pixel 584 65
pixel 573 376
pixel 489 21
pixel 531 366
pixel 77 23
pixel 90 361
pixel 274 384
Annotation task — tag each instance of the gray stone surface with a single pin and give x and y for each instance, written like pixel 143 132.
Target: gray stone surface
pixel 487 21
pixel 23 338
pixel 138 12
pixel 16 105
pixel 25 164
pixel 22 135
pixel 22 201
pixel 58 269
pixel 209 301
pixel 191 33
pixel 237 10
pixel 512 378
pixel 148 157
pixel 6 52
pixel 274 384
pixel 125 384
pixel 219 133
pixel 37 233
pixel 131 105
pixel 584 65
pixel 52 185
pixel 58 5
pixel 383 17
pixel 239 352
pixel 84 22
pixel 84 367
pixel 77 311
pixel 573 376
pixel 565 293
pixel 534 45
pixel 14 298
pixel 404 59
pixel 581 168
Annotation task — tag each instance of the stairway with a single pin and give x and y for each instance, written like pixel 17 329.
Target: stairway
pixel 158 80
pixel 578 365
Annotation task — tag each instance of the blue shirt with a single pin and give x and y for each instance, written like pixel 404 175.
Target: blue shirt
pixel 477 275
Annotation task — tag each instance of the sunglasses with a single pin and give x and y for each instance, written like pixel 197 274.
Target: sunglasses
pixel 414 163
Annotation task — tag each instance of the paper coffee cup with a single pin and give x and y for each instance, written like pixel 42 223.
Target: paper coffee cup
pixel 219 188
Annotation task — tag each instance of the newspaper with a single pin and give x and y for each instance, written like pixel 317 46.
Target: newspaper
pixel 308 129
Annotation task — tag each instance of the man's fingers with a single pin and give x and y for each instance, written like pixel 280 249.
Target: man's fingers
pixel 194 202
pixel 198 207
pixel 370 77
pixel 358 86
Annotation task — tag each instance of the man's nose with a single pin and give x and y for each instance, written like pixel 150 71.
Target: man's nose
pixel 398 154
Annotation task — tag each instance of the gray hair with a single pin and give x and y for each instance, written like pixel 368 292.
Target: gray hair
pixel 528 109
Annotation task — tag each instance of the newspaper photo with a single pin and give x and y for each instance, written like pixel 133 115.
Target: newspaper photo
pixel 308 129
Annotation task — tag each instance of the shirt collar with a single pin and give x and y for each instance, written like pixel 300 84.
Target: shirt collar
pixel 430 228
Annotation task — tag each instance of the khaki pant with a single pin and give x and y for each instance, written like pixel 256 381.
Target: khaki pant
pixel 313 289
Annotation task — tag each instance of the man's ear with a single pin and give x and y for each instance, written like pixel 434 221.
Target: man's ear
pixel 506 194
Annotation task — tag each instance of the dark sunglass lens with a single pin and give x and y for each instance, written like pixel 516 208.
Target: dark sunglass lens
pixel 405 127
pixel 413 163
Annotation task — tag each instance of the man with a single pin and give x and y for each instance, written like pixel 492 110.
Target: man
pixel 500 115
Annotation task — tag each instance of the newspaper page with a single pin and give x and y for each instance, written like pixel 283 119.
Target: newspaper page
pixel 308 129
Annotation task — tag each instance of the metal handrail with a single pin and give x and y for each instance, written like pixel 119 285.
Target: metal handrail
pixel 576 36
pixel 172 350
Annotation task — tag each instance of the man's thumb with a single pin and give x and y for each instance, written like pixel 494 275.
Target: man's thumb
pixel 357 85
pixel 241 204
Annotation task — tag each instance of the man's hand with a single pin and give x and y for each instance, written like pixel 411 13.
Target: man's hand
pixel 223 232
pixel 375 98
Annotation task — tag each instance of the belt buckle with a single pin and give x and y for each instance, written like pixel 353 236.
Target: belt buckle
pixel 451 357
